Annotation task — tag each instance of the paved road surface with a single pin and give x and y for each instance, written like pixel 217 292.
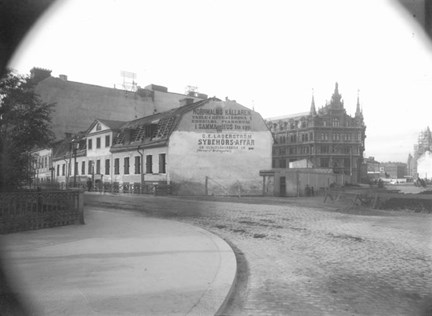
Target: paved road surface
pixel 120 263
pixel 297 259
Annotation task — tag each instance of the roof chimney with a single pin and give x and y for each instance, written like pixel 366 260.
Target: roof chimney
pixel 63 77
pixel 39 74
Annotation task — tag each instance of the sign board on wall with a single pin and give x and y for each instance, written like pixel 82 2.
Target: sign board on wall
pixel 225 142
pixel 223 129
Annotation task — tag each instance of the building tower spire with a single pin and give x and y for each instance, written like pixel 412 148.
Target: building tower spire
pixel 359 112
pixel 313 109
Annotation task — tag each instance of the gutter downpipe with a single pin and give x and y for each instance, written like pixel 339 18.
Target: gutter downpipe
pixel 141 168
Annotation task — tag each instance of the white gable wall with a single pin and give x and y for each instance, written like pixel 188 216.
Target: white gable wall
pixel 224 142
pixel 424 165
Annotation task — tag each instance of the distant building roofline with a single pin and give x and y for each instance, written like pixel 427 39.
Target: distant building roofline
pixel 275 118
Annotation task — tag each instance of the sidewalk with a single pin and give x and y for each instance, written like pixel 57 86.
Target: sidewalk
pixel 120 263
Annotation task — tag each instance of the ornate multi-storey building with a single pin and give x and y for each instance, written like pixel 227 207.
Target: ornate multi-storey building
pixel 327 138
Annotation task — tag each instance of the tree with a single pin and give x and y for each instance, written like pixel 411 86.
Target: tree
pixel 25 124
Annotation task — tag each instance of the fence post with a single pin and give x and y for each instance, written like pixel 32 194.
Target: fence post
pixel 81 207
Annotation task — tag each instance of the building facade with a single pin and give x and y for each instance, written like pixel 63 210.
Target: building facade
pixel 205 147
pixel 424 144
pixel 424 166
pixel 393 170
pixel 77 104
pixel 328 137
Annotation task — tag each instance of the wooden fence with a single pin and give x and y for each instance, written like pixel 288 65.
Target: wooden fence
pixel 30 210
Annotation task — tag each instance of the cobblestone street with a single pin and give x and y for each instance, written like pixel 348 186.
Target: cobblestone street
pixel 300 259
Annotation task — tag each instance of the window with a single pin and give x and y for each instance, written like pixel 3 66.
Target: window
pixel 137 165
pixel 282 163
pixel 58 170
pixel 324 162
pixel 324 150
pixel 162 162
pixel 63 169
pixel 90 167
pixel 149 164
pixel 282 139
pixel 126 165
pixel 347 163
pixel 98 127
pixel 98 165
pixel 89 146
pixel 304 137
pixel 98 142
pixel 76 168
pixel 107 166
pixel 107 141
pixel 83 167
pixel 117 166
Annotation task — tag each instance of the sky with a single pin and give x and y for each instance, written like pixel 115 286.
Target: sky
pixel 270 55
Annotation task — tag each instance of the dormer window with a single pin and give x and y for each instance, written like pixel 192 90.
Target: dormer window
pixel 150 130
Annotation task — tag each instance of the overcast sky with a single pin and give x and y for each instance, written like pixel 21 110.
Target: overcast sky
pixel 264 54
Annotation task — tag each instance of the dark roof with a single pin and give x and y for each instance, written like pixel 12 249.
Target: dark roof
pixel 153 130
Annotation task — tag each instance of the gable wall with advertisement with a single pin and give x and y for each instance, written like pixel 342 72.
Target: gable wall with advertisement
pixel 220 146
